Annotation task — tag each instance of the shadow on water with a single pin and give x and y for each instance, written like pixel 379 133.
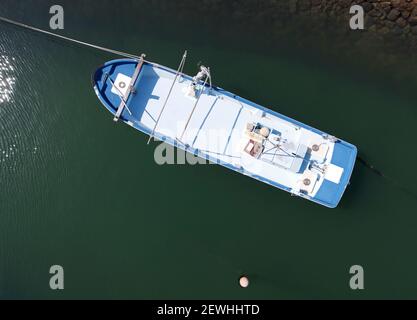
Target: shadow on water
pixel 394 183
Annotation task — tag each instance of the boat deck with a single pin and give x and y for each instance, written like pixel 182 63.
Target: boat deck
pixel 217 130
pixel 217 125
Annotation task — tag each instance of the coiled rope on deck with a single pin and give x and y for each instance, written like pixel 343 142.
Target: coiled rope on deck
pixel 25 26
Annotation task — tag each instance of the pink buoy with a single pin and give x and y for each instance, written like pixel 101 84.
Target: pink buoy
pixel 244 282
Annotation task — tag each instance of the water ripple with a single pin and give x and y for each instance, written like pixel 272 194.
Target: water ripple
pixel 7 79
pixel 29 122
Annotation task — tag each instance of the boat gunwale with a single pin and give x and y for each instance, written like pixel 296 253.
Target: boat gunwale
pixel 140 127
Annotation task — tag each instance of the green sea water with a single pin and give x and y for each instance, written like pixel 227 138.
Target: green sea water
pixel 82 192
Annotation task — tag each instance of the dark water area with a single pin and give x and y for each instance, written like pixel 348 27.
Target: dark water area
pixel 79 191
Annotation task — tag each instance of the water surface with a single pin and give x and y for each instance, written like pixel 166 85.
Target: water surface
pixel 79 191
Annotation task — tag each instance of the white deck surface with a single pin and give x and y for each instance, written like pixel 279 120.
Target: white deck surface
pixel 218 125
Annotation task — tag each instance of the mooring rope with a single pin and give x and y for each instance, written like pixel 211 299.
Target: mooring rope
pixel 393 182
pixel 25 26
pixel 370 166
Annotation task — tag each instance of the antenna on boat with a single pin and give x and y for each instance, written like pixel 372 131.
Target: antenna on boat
pixel 179 72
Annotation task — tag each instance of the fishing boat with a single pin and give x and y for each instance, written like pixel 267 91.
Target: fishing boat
pixel 207 121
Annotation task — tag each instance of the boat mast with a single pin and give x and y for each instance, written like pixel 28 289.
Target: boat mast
pixel 193 110
pixel 203 74
pixel 179 72
pixel 130 88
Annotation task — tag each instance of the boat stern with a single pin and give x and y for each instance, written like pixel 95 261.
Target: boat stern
pixel 337 180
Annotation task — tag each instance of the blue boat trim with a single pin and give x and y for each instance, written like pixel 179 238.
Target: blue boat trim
pixel 344 154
